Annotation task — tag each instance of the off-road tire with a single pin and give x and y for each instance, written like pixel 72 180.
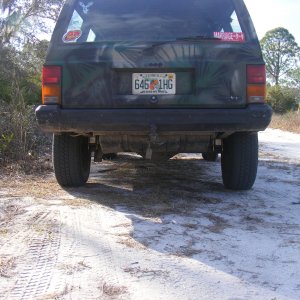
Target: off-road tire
pixel 239 161
pixel 210 156
pixel 71 159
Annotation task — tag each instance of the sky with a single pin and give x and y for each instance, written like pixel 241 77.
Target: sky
pixel 269 14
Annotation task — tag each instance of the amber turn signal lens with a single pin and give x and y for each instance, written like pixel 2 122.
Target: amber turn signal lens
pixel 256 93
pixel 51 94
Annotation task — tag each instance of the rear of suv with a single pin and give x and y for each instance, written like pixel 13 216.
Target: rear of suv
pixel 156 78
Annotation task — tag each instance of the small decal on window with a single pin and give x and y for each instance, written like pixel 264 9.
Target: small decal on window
pixel 230 36
pixel 85 7
pixel 72 36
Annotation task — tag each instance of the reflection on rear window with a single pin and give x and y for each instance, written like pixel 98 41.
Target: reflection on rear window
pixel 155 20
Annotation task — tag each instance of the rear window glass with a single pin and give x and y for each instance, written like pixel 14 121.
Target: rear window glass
pixel 155 20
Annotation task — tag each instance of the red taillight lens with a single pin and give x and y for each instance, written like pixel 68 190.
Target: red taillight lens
pixel 256 74
pixel 51 75
pixel 51 89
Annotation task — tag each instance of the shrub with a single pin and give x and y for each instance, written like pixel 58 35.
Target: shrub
pixel 282 99
pixel 20 138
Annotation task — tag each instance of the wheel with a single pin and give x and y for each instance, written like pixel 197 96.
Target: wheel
pixel 71 160
pixel 239 161
pixel 109 156
pixel 210 156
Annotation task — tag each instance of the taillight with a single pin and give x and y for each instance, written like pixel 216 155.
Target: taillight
pixel 51 85
pixel 256 83
pixel 256 74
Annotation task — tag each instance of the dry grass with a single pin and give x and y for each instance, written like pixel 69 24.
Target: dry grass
pixel 7 265
pixel 288 122
pixel 8 214
pixel 145 272
pixel 219 224
pixel 71 269
pixel 21 185
pixel 112 291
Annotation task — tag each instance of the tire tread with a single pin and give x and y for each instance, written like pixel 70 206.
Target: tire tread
pixel 71 160
pixel 239 161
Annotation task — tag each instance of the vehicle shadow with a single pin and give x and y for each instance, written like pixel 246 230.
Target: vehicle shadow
pixel 181 208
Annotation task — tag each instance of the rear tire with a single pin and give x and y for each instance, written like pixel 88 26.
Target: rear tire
pixel 71 160
pixel 210 156
pixel 239 161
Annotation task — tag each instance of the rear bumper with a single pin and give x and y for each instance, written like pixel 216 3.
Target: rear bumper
pixel 51 118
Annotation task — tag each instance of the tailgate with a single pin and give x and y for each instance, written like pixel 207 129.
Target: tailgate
pixel 203 75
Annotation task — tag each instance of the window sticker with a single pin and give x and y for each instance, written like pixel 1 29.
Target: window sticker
pixel 238 37
pixel 72 36
pixel 74 29
pixel 85 7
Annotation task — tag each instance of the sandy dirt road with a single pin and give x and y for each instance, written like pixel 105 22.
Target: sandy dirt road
pixel 145 231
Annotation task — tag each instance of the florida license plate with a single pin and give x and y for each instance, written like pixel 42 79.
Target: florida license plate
pixel 154 83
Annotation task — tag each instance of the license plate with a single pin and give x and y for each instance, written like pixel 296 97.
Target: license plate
pixel 154 83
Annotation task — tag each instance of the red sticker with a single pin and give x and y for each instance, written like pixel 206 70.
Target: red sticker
pixel 238 37
pixel 72 36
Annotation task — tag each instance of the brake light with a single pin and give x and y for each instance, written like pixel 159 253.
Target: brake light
pixel 256 83
pixel 256 74
pixel 51 85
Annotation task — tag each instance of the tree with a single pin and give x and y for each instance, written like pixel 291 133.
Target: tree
pixel 26 18
pixel 280 51
pixel 22 54
pixel 294 78
pixel 21 51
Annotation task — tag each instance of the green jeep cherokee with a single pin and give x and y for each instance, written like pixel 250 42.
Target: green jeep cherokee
pixel 156 78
